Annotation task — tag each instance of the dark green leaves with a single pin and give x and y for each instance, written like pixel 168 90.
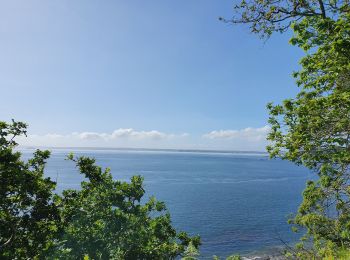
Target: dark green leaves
pixel 105 219
pixel 28 213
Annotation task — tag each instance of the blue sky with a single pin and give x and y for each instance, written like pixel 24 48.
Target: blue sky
pixel 70 68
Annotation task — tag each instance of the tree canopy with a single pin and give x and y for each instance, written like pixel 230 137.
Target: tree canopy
pixel 268 16
pixel 28 213
pixel 104 219
pixel 313 128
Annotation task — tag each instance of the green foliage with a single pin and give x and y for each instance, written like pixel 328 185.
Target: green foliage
pixel 341 254
pixel 28 213
pixel 191 252
pixel 105 219
pixel 231 257
pixel 266 17
pixel 314 130
pixel 234 257
pixel 329 254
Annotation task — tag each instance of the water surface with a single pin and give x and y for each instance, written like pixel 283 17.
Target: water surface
pixel 237 203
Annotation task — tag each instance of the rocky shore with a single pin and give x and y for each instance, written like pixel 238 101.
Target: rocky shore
pixel 272 254
pixel 265 257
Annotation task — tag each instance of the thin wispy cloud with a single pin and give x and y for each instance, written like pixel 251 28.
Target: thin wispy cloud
pixel 124 137
pixel 252 139
pixel 121 133
pixel 126 133
pixel 246 133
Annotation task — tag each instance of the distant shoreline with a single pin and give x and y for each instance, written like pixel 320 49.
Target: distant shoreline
pixel 145 150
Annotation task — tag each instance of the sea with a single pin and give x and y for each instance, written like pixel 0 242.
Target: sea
pixel 238 202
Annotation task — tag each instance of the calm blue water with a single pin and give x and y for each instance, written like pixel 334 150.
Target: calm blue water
pixel 237 203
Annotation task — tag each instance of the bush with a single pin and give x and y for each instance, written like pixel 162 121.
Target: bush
pixel 105 219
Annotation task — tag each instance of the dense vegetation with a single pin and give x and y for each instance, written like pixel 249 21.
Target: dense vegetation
pixel 313 129
pixel 105 219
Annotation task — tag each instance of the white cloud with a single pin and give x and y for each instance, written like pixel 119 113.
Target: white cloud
pixel 125 133
pixel 53 136
pixel 122 137
pixel 131 133
pixel 253 134
pixel 91 135
pixel 221 134
pixel 247 139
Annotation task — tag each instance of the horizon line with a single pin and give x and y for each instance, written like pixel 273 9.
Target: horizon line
pixel 141 149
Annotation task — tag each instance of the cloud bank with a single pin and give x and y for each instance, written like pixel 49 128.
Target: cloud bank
pixel 247 139
pixel 125 133
pixel 122 137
